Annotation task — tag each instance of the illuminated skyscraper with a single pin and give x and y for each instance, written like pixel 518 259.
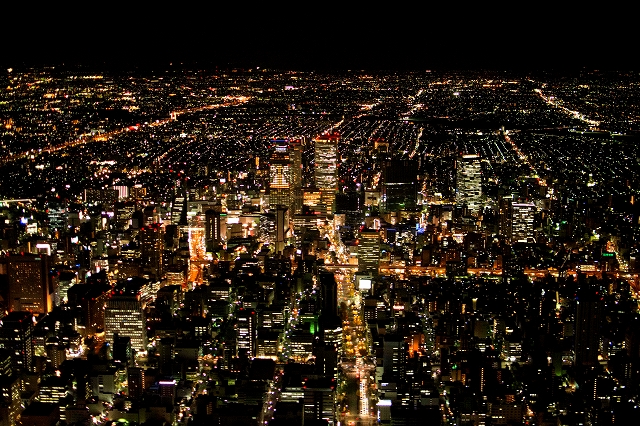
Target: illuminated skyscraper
pixel 280 176
pixel 124 316
pixel 10 401
pixel 212 229
pixel 246 332
pixel 369 251
pixel 151 248
pixel 326 167
pixel 282 228
pixel 522 222
pixel 30 287
pixel 469 182
pixel 16 331
pixel 178 211
pixel 295 154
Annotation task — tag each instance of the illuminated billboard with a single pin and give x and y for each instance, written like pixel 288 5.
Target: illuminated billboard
pixel 364 282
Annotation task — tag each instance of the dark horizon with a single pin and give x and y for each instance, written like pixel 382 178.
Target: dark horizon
pixel 402 39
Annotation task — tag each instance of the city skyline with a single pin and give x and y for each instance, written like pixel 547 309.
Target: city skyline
pixel 192 245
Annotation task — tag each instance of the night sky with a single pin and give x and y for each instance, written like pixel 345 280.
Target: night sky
pixel 322 36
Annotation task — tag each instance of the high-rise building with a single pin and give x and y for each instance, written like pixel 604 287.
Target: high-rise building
pixel 589 308
pixel 280 175
pixel 351 205
pixel 394 356
pixel 469 182
pixel 295 155
pixel 212 223
pixel 135 376
pixel 10 401
pixel 179 211
pixel 90 300
pixel 151 248
pixel 246 332
pixel 522 222
pixel 16 331
pixel 326 166
pixel 369 251
pixel 329 308
pixel 319 400
pixel 282 228
pixel 124 316
pixel 399 184
pixel 30 287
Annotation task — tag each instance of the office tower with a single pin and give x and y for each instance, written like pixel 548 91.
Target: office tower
pixel 124 316
pixel 122 352
pixel 351 205
pixel 326 359
pixel 304 222
pixel 469 182
pixel 522 222
pixel 30 287
pixel 212 229
pixel 326 167
pixel 246 332
pixel 369 251
pixel 329 318
pixel 282 228
pixel 135 379
pixel 179 211
pixel 267 228
pixel 319 400
pixel 394 356
pixel 16 336
pixel 151 248
pixel 589 307
pixel 53 390
pixel 295 155
pixel 10 401
pixel 313 201
pixel 399 184
pixel 280 176
pixel 90 299
pixel 124 213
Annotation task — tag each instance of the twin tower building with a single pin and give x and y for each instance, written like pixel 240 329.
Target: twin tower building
pixel 286 174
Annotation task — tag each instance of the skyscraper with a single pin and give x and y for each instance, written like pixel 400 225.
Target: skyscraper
pixel 329 308
pixel 589 307
pixel 326 166
pixel 295 155
pixel 280 176
pixel 30 287
pixel 522 222
pixel 246 332
pixel 124 315
pixel 369 251
pixel 469 182
pixel 16 331
pixel 212 232
pixel 151 248
pixel 282 228
pixel 400 184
